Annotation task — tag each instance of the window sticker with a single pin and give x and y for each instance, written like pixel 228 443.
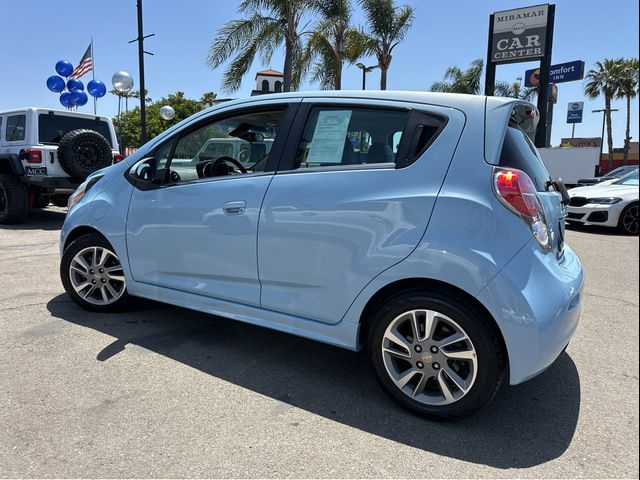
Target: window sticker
pixel 329 137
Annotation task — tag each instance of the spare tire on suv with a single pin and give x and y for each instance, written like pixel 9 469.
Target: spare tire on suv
pixel 82 152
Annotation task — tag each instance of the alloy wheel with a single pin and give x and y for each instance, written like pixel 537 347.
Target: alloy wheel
pixel 630 220
pixel 429 357
pixel 97 276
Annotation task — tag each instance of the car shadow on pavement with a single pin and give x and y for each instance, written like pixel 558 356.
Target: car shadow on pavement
pixel 596 229
pixel 525 425
pixel 50 218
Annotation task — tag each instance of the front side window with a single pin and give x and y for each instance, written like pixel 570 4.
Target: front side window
pixel 15 128
pixel 229 146
pixel 629 180
pixel 335 136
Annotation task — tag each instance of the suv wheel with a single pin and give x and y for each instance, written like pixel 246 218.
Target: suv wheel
pixel 435 355
pixel 92 274
pixel 82 152
pixel 14 200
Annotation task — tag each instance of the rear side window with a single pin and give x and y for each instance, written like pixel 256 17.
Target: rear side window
pixel 336 136
pixel 15 128
pixel 52 127
pixel 518 152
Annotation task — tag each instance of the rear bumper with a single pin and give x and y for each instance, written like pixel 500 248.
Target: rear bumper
pixel 536 302
pixel 58 184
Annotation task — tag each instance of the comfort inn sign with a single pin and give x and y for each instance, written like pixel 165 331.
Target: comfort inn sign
pixel 519 35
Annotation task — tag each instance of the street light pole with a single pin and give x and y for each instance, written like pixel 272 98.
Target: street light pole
pixel 604 116
pixel 141 52
pixel 365 70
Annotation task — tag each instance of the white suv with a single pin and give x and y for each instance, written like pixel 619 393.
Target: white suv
pixel 45 154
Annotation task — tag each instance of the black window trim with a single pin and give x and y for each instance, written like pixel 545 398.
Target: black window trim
pixel 287 165
pixel 275 154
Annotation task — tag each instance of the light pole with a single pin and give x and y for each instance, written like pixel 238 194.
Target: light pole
pixel 365 70
pixel 604 116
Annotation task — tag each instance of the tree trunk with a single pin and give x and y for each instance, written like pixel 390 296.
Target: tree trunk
pixel 337 81
pixel 383 78
pixel 607 106
pixel 288 65
pixel 627 138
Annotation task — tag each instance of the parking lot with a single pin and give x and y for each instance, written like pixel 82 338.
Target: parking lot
pixel 161 391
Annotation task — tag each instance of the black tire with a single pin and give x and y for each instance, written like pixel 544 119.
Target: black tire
pixel 81 243
pixel 628 222
pixel 60 200
pixel 14 200
pixel 489 352
pixel 82 152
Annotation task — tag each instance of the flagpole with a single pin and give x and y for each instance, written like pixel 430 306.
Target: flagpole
pixel 93 74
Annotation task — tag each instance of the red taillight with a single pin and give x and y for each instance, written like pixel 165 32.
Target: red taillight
pixel 515 188
pixel 34 156
pixel 118 157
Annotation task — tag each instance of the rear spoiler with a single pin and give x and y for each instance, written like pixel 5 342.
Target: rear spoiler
pixel 500 114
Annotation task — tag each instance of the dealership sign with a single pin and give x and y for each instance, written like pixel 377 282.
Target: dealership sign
pixel 574 112
pixel 563 72
pixel 519 35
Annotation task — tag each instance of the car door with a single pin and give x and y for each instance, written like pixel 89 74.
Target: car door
pixel 192 221
pixel 352 198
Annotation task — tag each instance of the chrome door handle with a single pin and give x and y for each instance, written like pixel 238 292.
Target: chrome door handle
pixel 234 208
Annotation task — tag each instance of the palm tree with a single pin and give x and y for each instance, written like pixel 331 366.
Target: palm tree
pixel 326 49
pixel 515 90
pixel 457 80
pixel 387 27
pixel 627 89
pixel 269 24
pixel 604 80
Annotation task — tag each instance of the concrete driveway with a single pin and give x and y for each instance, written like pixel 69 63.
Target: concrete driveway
pixel 161 391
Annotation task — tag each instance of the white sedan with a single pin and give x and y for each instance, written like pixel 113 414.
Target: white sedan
pixel 611 204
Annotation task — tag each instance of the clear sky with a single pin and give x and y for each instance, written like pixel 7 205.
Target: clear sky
pixel 37 33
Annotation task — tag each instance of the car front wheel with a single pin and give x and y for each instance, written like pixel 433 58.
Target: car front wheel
pixel 628 222
pixel 436 355
pixel 92 274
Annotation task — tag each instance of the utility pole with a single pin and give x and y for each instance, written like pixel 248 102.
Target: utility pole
pixel 141 52
pixel 604 116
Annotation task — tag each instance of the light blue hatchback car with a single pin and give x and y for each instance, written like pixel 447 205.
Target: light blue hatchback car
pixel 422 227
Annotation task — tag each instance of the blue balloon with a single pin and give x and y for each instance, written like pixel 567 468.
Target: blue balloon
pixel 74 85
pixel 65 100
pixel 79 98
pixel 55 83
pixel 96 88
pixel 64 68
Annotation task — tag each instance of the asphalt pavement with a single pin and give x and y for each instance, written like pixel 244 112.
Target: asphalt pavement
pixel 161 391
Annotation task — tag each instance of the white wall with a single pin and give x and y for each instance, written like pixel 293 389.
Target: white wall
pixel 570 164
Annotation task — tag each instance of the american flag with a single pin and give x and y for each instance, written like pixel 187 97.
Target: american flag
pixel 85 65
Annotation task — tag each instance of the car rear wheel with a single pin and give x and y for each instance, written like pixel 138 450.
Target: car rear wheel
pixel 14 200
pixel 92 274
pixel 628 222
pixel 436 355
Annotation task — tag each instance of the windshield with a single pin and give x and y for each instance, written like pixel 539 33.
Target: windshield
pixel 53 126
pixel 629 180
pixel 619 172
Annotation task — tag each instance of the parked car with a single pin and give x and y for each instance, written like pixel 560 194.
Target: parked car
pixel 45 154
pixel 444 258
pixel 612 175
pixel 611 204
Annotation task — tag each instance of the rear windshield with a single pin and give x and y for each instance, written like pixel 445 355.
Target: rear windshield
pixel 518 152
pixel 52 127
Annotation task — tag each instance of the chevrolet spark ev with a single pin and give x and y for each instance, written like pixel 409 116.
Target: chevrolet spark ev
pixel 421 227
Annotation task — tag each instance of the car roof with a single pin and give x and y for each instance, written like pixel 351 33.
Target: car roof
pixel 54 110
pixel 455 100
